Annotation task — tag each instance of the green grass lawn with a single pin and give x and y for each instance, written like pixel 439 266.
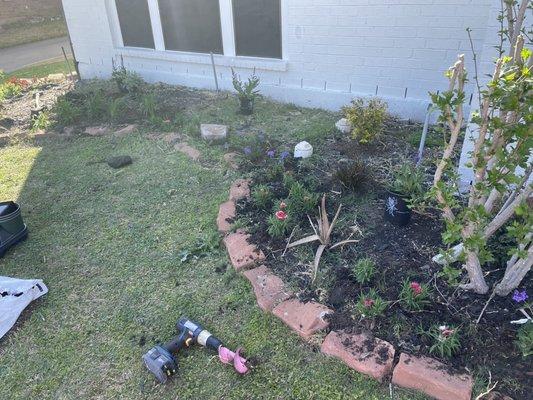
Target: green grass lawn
pixel 106 243
pixel 18 33
pixel 41 70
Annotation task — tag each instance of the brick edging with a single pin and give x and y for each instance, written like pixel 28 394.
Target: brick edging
pixel 360 351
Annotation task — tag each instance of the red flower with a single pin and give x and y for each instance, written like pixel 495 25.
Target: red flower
pixel 281 215
pixel 416 288
pixel 368 303
pixel 282 205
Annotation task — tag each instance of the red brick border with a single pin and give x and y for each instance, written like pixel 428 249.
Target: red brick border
pixel 370 356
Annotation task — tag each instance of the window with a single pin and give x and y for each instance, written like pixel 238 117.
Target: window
pixel 257 28
pixel 191 25
pixel 134 19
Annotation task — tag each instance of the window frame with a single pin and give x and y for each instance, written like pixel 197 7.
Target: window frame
pixel 228 34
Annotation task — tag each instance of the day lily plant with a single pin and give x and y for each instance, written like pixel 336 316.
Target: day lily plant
pixel 322 234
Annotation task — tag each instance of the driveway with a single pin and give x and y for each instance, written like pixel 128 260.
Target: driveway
pixel 13 58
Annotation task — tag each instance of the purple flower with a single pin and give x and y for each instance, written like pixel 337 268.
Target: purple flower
pixel 520 297
pixel 284 155
pixel 271 153
pixel 247 150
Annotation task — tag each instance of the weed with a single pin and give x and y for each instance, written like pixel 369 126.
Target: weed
pixel 371 305
pixel 261 196
pixel 116 109
pixel 96 106
pixel 67 112
pixel 366 118
pixel 414 296
pixel 445 340
pixel 40 121
pixel 127 81
pixel 364 270
pixel 148 106
pixel 204 246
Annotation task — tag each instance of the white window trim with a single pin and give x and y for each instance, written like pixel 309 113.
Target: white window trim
pixel 228 41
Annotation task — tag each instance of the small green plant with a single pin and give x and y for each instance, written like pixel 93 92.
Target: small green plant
pixel 127 81
pixel 67 112
pixel 445 340
pixel 450 274
pixel 96 107
pixel 278 224
pixel 148 106
pixel 525 339
pixel 353 175
pixel 202 247
pixel 116 109
pixel 408 181
pixel 9 89
pixel 261 196
pixel 414 296
pixel 366 118
pixel 364 270
pixel 246 91
pixel 301 201
pixel 288 180
pixel 40 121
pixel 371 305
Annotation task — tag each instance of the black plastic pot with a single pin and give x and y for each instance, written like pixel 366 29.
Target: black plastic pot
pixel 396 209
pixel 247 106
pixel 12 227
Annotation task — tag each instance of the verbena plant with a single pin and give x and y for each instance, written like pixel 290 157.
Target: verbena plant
pixel 366 118
pixel 501 130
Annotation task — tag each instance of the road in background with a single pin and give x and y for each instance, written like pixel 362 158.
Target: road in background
pixel 13 58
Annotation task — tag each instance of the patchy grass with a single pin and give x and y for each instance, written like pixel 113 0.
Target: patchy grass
pixel 18 33
pixel 107 244
pixel 41 70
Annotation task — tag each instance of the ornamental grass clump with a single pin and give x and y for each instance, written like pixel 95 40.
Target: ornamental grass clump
pixel 366 118
pixel 414 296
pixel 322 234
pixel 371 305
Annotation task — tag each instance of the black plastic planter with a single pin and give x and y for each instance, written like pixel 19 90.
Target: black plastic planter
pixel 396 209
pixel 12 228
pixel 247 106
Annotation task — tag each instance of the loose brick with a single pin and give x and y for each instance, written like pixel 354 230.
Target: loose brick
pixel 239 190
pixel 126 130
pixel 225 212
pixel 213 132
pixel 431 377
pixel 304 318
pixel 189 151
pixel 268 288
pixel 368 355
pixel 241 253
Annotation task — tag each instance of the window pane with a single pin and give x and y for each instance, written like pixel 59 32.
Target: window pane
pixel 135 23
pixel 191 25
pixel 257 28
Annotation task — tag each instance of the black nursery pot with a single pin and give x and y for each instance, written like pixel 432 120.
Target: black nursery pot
pixel 12 227
pixel 396 209
pixel 247 106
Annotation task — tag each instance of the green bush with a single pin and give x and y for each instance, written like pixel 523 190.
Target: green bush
pixel 127 81
pixel 408 180
pixel 366 118
pixel 9 89
pixel 67 112
pixel 364 270
pixel 261 196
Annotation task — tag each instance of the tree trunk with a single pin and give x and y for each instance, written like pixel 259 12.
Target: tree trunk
pixel 515 274
pixel 475 273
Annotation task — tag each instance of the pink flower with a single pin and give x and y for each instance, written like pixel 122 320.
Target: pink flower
pixel 368 303
pixel 282 205
pixel 416 288
pixel 281 215
pixel 445 331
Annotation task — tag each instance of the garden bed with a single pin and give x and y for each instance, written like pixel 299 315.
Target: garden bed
pixel 402 255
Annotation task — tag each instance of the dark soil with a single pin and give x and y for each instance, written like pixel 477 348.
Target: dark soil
pixel 400 253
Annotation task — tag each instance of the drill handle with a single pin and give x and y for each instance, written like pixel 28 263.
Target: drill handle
pixel 178 342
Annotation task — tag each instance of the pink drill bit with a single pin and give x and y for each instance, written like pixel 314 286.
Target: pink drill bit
pixel 227 357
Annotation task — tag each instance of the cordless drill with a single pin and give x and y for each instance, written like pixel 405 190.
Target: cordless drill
pixel 163 364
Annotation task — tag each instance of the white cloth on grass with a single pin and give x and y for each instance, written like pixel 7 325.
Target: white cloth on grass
pixel 15 295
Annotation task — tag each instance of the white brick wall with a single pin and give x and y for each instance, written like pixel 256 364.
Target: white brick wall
pixel 334 50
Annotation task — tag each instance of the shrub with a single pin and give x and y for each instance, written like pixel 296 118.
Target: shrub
pixel 127 81
pixel 371 305
pixel 67 112
pixel 366 118
pixel 353 175
pixel 445 340
pixel 408 180
pixel 261 196
pixel 278 225
pixel 414 296
pixel 364 270
pixel 246 91
pixel 525 339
